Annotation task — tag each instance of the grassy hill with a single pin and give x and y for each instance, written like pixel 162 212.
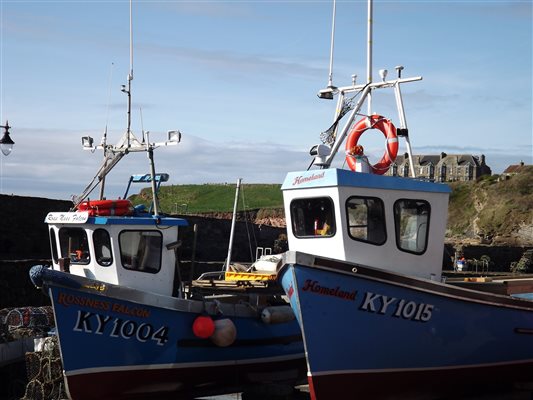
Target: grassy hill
pixel 487 209
pixel 210 198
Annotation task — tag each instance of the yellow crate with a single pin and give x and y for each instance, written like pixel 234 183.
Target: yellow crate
pixel 249 276
pixel 478 279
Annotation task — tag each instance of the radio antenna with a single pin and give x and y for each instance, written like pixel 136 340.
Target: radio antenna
pixel 130 78
pixel 104 138
pixel 330 76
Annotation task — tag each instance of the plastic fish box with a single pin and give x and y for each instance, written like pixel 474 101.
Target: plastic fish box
pixel 249 276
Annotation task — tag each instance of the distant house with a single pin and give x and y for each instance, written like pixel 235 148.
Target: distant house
pixel 514 169
pixel 443 167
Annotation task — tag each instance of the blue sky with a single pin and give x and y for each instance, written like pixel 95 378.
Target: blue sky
pixel 239 80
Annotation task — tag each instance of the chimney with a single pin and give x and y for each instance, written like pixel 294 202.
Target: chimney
pixel 443 155
pixel 483 159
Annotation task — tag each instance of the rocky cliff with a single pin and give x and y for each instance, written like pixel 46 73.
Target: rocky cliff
pixel 494 210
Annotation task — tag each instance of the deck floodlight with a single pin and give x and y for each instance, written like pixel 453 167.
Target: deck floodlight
pixel 174 136
pixel 383 74
pixel 6 143
pixel 327 93
pixel 320 152
pixel 87 142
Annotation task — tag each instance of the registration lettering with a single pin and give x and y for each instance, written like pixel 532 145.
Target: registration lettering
pixel 399 308
pixel 374 302
pixel 93 323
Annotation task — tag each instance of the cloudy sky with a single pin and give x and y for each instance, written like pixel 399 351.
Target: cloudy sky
pixel 239 80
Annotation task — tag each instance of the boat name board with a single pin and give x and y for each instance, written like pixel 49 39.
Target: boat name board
pixel 67 217
pixel 304 179
pixel 374 302
pixel 99 324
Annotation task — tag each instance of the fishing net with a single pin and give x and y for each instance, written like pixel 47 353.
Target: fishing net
pixel 329 135
pixel 44 371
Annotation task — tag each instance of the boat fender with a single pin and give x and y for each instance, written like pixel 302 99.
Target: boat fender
pixel 203 326
pixel 225 332
pixel 41 273
pixel 391 148
pixel 277 314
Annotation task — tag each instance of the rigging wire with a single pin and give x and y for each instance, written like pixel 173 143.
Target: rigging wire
pixel 247 228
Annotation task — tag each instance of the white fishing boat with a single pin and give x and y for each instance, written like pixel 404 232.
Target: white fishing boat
pixel 364 273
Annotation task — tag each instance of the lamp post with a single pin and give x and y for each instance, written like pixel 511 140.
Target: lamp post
pixel 6 143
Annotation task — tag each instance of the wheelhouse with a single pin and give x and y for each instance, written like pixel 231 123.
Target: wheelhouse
pixel 136 251
pixel 391 223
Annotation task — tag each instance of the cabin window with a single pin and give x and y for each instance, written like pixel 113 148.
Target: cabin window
pixel 411 220
pixel 141 250
pixel 313 217
pixel 102 247
pixel 74 245
pixel 366 219
pixel 53 244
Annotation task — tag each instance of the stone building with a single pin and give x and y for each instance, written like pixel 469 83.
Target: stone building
pixel 514 169
pixel 443 167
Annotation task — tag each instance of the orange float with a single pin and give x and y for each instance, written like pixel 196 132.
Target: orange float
pixel 106 207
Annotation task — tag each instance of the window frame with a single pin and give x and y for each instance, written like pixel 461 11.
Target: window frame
pixel 53 244
pixel 71 253
pixel 98 246
pixel 397 226
pixel 384 220
pixel 312 215
pixel 140 268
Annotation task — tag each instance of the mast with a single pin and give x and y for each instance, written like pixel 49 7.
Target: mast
pixel 369 53
pixel 324 157
pixel 233 220
pixel 128 143
pixel 330 76
pixel 130 75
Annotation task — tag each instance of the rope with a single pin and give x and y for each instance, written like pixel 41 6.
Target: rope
pixel 247 228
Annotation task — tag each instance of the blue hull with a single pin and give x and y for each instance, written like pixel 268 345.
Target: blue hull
pixel 123 343
pixel 370 332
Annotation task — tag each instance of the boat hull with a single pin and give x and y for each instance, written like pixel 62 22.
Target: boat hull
pixel 374 333
pixel 123 343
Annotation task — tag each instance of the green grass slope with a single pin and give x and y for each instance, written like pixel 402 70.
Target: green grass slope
pixel 210 198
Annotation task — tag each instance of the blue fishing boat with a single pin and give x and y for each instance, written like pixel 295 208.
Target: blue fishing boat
pixel 364 274
pixel 130 326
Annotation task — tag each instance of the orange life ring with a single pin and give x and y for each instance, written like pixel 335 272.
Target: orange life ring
pixel 387 128
pixel 107 207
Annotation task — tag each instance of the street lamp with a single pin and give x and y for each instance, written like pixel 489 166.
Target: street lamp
pixel 6 143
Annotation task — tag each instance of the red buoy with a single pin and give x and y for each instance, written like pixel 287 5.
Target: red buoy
pixel 203 326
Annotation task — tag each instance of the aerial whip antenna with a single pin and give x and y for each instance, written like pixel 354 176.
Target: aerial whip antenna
pixel 130 78
pixel 330 76
pixel 328 92
pixel 142 124
pixel 104 138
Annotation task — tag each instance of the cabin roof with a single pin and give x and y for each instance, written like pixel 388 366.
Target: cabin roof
pixel 342 177
pixel 134 220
